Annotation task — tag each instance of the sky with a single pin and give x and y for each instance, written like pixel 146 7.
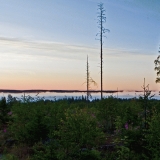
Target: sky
pixel 44 44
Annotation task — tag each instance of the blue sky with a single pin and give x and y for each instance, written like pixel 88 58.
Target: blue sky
pixel 44 44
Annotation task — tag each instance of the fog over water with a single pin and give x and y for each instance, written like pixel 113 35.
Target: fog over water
pixel 57 95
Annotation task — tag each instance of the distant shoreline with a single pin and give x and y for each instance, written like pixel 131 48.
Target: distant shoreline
pixel 57 91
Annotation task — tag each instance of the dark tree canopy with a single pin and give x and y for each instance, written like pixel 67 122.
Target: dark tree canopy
pixel 157 68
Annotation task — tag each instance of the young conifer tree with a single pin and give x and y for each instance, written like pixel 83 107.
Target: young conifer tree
pixel 102 30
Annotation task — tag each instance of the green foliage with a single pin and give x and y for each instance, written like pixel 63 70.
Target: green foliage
pixel 90 155
pixel 4 109
pixel 30 123
pixel 44 152
pixel 78 130
pixel 123 153
pixel 9 157
pixel 153 137
pixel 107 113
pixel 75 129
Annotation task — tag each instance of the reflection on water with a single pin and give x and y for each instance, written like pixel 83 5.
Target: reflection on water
pixel 55 95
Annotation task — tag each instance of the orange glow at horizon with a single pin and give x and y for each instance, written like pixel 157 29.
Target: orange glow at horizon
pixel 70 83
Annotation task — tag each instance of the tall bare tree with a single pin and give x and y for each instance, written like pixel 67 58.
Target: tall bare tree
pixel 102 30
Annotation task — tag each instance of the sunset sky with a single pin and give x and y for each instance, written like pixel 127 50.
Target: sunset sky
pixel 44 44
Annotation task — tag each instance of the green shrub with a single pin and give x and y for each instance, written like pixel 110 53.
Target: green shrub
pixel 153 137
pixel 4 109
pixel 78 130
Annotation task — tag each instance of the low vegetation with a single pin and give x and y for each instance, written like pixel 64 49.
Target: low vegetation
pixel 76 129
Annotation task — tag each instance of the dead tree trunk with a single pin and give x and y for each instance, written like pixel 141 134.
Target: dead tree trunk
pixel 101 20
